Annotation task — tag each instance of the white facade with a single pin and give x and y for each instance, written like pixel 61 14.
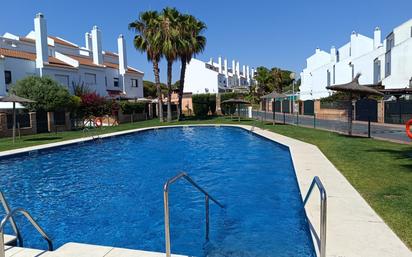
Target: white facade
pixel 212 77
pixel 388 62
pixel 40 54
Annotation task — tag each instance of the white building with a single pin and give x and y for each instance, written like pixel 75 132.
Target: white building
pixel 44 55
pixel 388 62
pixel 212 77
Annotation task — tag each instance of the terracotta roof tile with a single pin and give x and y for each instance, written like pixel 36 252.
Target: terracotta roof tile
pixel 53 61
pixel 26 39
pixel 18 54
pixel 110 54
pixel 85 61
pixel 62 42
pixel 111 65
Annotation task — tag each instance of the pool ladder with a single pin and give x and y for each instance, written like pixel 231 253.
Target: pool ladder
pixel 208 197
pixel 321 239
pixel 10 217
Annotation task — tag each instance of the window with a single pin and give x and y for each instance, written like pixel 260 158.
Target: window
pixel 328 77
pixel 135 83
pixel 62 79
pixel 116 82
pixel 376 71
pixel 390 42
pixel 7 77
pixel 90 78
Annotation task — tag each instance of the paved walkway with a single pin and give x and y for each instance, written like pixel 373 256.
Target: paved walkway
pixel 390 132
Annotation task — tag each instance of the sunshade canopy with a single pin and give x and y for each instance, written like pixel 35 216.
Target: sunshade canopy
pixel 15 99
pixel 355 87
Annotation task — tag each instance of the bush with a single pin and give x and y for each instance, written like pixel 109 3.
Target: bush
pixel 200 104
pixel 131 108
pixel 229 108
pixel 93 104
pixel 203 103
pixel 47 93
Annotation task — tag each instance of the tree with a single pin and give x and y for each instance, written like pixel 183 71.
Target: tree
pixel 194 43
pixel 171 40
pixel 148 39
pixel 47 93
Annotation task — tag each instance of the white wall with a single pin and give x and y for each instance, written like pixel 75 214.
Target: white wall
pixel 198 78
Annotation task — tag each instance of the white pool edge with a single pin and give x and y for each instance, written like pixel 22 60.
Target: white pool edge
pixel 354 228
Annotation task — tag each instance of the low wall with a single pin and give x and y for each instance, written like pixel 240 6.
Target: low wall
pixel 329 114
pixel 6 132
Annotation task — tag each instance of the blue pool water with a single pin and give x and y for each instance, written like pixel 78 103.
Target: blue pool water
pixel 111 193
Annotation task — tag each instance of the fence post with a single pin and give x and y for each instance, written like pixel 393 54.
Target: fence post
pixel 314 120
pixel 369 126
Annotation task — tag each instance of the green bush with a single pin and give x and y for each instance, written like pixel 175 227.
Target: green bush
pixel 130 107
pixel 47 93
pixel 229 108
pixel 212 103
pixel 200 104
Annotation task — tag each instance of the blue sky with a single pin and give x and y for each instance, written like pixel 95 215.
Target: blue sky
pixel 268 33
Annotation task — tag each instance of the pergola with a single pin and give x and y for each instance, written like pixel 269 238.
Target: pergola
pixel 354 88
pixel 15 99
pixel 238 102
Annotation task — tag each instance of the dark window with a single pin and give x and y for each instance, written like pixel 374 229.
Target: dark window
pixel 135 83
pixel 22 120
pixel 59 118
pixel 7 77
pixel 376 71
pixel 116 82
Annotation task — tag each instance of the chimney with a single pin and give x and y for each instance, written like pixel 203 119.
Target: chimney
pixel 211 61
pixel 88 40
pixel 97 46
pixel 253 73
pixel 247 73
pixel 233 67
pixel 237 68
pixel 377 38
pixel 317 50
pixel 244 70
pixel 333 54
pixel 220 64
pixel 121 46
pixel 225 65
pixel 42 48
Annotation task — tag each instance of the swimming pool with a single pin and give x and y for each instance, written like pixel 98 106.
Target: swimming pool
pixel 111 193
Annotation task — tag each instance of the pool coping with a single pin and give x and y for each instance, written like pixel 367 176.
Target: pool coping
pixel 353 227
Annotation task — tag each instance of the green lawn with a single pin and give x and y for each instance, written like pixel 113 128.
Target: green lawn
pixel 380 171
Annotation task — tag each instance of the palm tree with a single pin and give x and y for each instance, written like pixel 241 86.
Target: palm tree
pixel 193 43
pixel 170 39
pixel 147 40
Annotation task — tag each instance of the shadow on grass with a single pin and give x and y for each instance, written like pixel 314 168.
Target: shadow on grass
pixel 401 154
pixel 42 139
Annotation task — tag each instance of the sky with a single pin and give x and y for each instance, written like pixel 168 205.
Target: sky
pixel 256 33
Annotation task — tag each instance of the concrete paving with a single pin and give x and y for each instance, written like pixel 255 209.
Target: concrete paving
pixel 354 229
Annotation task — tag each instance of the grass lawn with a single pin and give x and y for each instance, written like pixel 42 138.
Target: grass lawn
pixel 380 171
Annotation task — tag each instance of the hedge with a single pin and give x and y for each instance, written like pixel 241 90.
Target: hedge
pixel 203 103
pixel 130 108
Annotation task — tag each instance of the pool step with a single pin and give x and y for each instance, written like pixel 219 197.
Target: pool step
pixel 82 250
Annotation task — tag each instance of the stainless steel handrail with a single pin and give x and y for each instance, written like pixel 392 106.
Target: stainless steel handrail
pixel 13 223
pixel 166 206
pixel 31 220
pixel 323 213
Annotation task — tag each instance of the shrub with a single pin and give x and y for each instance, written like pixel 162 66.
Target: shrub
pixel 47 93
pixel 200 104
pixel 131 108
pixel 212 103
pixel 93 104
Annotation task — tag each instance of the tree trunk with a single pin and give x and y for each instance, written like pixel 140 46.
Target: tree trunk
pixel 159 92
pixel 169 91
pixel 181 85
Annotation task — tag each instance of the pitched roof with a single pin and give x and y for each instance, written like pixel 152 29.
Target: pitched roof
pixel 63 42
pixel 85 61
pixel 18 54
